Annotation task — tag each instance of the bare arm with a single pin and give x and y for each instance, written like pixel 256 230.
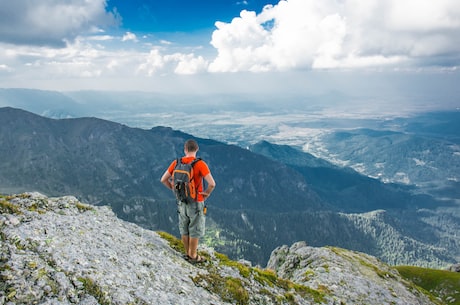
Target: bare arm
pixel 211 185
pixel 166 180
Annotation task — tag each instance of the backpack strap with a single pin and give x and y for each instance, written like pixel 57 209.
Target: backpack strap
pixel 192 164
pixel 179 161
pixel 195 161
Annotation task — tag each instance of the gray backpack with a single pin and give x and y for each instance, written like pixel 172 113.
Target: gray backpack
pixel 184 184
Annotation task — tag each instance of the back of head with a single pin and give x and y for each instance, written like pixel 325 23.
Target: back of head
pixel 191 145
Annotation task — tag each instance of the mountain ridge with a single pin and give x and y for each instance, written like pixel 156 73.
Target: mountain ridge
pixel 85 135
pixel 260 204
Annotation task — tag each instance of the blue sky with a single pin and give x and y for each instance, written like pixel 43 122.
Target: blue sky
pixel 179 15
pixel 375 48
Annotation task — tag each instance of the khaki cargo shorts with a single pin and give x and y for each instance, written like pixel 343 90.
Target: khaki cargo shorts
pixel 192 219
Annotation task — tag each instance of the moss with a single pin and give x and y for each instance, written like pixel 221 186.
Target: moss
pixel 176 244
pixel 355 256
pixel 33 208
pixel 173 241
pixel 11 294
pixel 95 290
pixel 245 271
pixel 381 273
pixel 302 290
pixel 265 277
pixel 308 274
pixel 8 207
pixel 280 299
pixel 24 196
pixel 289 297
pixel 324 289
pixel 264 291
pixel 269 277
pixel 336 250
pixel 230 289
pixel 18 243
pixel 84 207
pixel 32 265
pixel 283 283
pixel 236 291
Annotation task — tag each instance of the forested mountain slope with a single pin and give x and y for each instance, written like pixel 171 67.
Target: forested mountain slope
pixel 260 202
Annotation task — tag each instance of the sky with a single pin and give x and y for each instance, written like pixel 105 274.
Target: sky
pixel 293 47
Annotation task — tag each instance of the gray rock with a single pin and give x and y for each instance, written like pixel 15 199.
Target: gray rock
pixel 454 268
pixel 61 251
pixel 350 277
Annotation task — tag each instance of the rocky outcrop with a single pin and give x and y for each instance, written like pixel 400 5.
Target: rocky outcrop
pixel 61 251
pixel 454 268
pixel 349 277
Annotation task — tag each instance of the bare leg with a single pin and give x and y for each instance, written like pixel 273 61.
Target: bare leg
pixel 192 247
pixel 186 242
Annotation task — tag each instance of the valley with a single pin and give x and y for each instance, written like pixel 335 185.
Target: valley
pixel 385 185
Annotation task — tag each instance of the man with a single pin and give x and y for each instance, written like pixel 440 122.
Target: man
pixel 191 215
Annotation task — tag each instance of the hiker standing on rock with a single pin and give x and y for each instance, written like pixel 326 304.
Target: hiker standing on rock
pixel 190 196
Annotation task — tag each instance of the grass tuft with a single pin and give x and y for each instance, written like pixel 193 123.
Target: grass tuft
pixel 441 284
pixel 173 241
pixel 6 207
pixel 84 207
pixel 233 289
pixel 95 290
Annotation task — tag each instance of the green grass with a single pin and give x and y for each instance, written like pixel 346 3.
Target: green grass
pixel 95 290
pixel 440 283
pixel 245 271
pixel 7 207
pixel 230 289
pixel 84 207
pixel 173 241
pixel 235 290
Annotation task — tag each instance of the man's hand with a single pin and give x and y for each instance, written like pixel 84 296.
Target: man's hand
pixel 211 185
pixel 167 181
pixel 205 194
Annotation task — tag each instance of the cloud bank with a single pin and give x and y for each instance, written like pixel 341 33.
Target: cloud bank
pixel 339 34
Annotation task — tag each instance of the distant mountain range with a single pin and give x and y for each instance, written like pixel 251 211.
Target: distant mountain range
pixel 420 149
pixel 425 153
pixel 266 196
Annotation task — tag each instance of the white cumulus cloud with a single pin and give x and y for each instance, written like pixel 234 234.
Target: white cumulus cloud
pixel 62 41
pixel 129 36
pixel 157 63
pixel 339 34
pixel 189 64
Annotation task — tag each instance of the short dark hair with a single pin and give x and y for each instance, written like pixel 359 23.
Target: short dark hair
pixel 191 145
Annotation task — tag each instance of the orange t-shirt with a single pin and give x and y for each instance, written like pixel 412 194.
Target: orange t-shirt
pixel 200 169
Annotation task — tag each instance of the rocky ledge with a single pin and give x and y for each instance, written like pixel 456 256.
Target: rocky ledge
pixel 61 251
